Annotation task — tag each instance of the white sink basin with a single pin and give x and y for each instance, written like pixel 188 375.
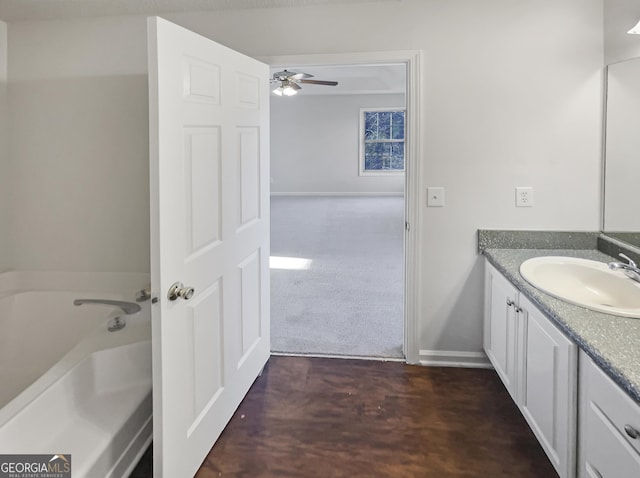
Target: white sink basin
pixel 590 284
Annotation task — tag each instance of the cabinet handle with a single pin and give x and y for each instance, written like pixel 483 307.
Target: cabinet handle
pixel 632 432
pixel 510 302
pixel 518 310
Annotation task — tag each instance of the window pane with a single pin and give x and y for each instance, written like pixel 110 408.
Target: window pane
pixel 386 157
pixel 370 125
pixel 397 156
pixel 373 153
pixel 384 125
pixel 397 125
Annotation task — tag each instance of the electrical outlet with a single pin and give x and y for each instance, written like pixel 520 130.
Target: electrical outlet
pixel 524 197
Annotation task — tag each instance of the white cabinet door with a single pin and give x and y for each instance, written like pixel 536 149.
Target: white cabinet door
pixel 549 387
pixel 501 327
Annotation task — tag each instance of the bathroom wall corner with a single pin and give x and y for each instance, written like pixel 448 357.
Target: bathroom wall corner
pixel 5 182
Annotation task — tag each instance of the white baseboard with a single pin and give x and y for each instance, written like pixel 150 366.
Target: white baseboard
pixel 336 194
pixel 451 358
pixel 334 356
pixel 428 358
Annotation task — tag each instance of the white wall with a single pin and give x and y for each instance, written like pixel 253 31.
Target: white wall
pixel 511 97
pixel 619 17
pixel 5 179
pixel 315 144
pixel 79 116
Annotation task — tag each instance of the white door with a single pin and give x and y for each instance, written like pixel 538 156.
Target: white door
pixel 209 171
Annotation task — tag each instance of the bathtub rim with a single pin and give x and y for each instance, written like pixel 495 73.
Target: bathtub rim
pixel 126 283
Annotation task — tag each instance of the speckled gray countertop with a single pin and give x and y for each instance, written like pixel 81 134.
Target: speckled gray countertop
pixel 612 342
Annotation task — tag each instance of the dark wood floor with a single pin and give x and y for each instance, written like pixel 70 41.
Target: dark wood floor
pixel 316 417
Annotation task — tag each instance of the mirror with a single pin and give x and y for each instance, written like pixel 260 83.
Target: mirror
pixel 622 152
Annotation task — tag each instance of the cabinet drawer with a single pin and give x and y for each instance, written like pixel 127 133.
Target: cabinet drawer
pixel 608 453
pixel 614 404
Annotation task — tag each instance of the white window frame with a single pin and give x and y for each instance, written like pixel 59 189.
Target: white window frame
pixel 361 170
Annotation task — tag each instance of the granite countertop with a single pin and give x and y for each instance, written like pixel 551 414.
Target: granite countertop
pixel 612 342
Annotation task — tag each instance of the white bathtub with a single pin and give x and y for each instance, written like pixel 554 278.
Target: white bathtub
pixel 67 385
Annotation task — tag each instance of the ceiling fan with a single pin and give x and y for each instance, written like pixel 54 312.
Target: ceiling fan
pixel 289 82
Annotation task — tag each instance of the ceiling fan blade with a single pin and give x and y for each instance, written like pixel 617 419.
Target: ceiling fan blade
pixel 290 75
pixel 299 76
pixel 293 85
pixel 319 82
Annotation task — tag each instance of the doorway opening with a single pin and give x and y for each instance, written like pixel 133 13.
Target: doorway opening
pixel 341 281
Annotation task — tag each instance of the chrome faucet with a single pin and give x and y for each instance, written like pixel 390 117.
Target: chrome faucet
pixel 118 322
pixel 630 269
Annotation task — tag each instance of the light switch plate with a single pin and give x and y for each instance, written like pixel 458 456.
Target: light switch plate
pixel 435 197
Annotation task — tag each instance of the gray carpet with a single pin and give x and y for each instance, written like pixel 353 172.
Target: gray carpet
pixel 350 299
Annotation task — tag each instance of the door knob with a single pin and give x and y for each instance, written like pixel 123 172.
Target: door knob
pixel 179 290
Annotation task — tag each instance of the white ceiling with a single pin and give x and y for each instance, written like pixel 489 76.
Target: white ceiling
pixel 25 10
pixel 352 79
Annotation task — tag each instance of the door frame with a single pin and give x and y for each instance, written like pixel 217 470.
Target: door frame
pixel 412 59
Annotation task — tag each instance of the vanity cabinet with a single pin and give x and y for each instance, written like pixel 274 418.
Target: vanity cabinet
pixel 609 426
pixel 538 366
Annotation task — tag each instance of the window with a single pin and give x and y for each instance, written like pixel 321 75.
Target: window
pixel 381 141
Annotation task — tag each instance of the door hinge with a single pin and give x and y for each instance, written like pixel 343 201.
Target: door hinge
pixel 407 226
